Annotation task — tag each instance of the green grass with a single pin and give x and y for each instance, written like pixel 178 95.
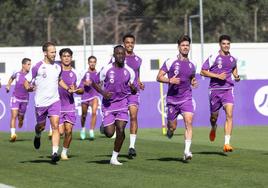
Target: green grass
pixel 158 163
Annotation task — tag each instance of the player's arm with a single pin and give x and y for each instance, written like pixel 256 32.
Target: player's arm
pixel 66 87
pixel 98 88
pixel 236 75
pixel 162 78
pixel 140 83
pixel 9 83
pixel 207 73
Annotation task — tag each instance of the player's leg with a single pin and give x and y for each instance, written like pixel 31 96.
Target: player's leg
pixel 68 127
pixel 54 121
pixel 14 114
pixel 120 137
pixel 94 106
pixel 172 114
pixel 84 106
pixel 41 114
pixel 22 111
pixel 215 105
pixel 54 117
pixel 133 111
pixel 188 122
pixel 228 108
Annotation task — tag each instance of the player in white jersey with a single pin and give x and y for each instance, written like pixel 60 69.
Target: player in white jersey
pixel 47 75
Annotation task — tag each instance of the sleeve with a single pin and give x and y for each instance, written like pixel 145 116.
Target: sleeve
pixel 167 64
pixel 205 65
pixel 13 75
pixel 101 75
pixel 32 73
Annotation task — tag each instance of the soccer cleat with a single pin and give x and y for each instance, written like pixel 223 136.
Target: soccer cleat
pixel 227 148
pixel 13 138
pixel 37 142
pixel 187 156
pixel 170 133
pixel 50 135
pixel 55 158
pixel 83 134
pixel 102 128
pixel 212 134
pixel 131 153
pixel 64 157
pixel 115 162
pixel 91 135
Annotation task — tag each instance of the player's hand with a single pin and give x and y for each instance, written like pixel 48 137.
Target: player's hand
pixel 194 83
pixel 221 76
pixel 7 88
pixel 237 78
pixel 133 89
pixel 141 85
pixel 107 95
pixel 174 80
pixel 88 83
pixel 31 88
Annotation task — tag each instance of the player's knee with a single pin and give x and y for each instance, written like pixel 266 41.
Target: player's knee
pixel 120 131
pixel 68 133
pixel 229 116
pixel 94 113
pixel 213 119
pixel 133 118
pixel 108 134
pixel 83 116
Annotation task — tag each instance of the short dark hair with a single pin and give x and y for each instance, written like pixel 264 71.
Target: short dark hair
pixel 91 57
pixel 66 50
pixel 46 45
pixel 25 60
pixel 184 38
pixel 118 46
pixel 128 36
pixel 224 37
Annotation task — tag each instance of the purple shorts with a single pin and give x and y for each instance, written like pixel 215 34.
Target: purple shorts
pixel 117 111
pixel 219 98
pixel 175 109
pixel 133 100
pixel 69 117
pixel 88 102
pixel 42 113
pixel 17 104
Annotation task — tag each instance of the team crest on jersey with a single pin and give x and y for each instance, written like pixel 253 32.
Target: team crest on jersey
pixel 177 69
pixel 219 63
pixel 190 65
pixel 71 74
pixel 111 80
pixel 231 59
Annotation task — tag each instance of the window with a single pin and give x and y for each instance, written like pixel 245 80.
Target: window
pixel 2 67
pixel 155 64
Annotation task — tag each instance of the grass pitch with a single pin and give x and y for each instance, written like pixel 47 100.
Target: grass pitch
pixel 158 164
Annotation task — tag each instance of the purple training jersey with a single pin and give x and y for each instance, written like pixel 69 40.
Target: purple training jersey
pixel 19 91
pixel 89 91
pixel 134 62
pixel 116 81
pixel 66 98
pixel 218 64
pixel 183 69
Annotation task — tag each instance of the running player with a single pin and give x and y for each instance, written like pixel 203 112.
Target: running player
pixel 67 116
pixel 20 97
pixel 219 68
pixel 180 77
pixel 90 98
pixel 134 62
pixel 47 101
pixel 117 77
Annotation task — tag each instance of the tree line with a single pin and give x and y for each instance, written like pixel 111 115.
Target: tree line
pixel 31 22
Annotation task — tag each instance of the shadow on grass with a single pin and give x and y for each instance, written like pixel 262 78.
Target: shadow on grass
pixel 123 156
pixel 39 161
pixel 22 140
pixel 168 159
pixel 105 161
pixel 211 153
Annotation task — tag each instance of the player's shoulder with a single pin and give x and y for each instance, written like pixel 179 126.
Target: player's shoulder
pixel 137 58
pixel 233 57
pixel 170 61
pixel 213 56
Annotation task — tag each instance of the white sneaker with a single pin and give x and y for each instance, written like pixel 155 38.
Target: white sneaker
pixel 115 162
pixel 187 156
pixel 64 157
